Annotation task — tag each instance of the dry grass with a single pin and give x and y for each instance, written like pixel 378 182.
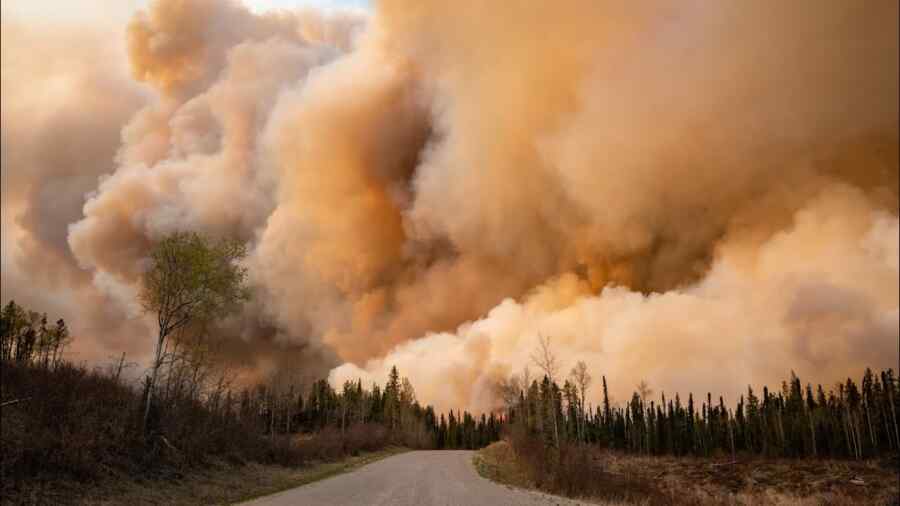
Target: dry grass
pixel 757 481
pixel 498 462
pixel 219 484
pixel 690 481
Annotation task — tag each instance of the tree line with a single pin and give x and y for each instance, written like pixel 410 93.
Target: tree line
pixel 283 407
pixel 63 421
pixel 189 381
pixel 851 420
pixel 193 281
pixel 26 336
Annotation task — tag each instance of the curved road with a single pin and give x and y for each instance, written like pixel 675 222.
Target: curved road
pixel 420 478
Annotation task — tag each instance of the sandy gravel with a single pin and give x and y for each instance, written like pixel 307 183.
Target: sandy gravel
pixel 421 478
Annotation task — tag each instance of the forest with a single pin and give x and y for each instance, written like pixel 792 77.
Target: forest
pixel 563 445
pixel 64 421
pixel 850 421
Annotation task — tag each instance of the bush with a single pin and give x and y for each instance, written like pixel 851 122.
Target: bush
pixel 365 437
pixel 573 469
pixel 72 422
pixel 81 425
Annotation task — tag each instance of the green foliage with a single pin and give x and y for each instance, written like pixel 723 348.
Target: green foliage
pixel 192 277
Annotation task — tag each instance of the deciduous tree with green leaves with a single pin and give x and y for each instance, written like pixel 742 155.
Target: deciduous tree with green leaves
pixel 191 278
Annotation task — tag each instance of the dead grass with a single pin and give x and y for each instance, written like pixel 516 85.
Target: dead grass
pixel 497 462
pixel 757 481
pixel 695 481
pixel 220 483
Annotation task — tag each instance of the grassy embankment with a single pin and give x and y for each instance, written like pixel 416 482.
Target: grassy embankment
pixel 625 479
pixel 225 484
pixel 73 436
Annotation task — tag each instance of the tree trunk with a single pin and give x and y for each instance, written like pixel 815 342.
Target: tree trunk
pixel 780 428
pixel 555 427
pixel 731 439
pixel 156 364
pixel 583 419
pixel 119 368
pixel 812 433
pixel 272 417
pixel 854 439
pixel 287 422
pixel 872 438
pixel 171 375
pixel 887 427
pixel 893 413
pixel 847 432
pixel 858 437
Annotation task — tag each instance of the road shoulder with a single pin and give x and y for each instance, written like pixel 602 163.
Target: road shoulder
pixel 227 484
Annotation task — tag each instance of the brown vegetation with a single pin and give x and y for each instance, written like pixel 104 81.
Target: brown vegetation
pixel 70 433
pixel 615 476
pixel 76 434
pixel 217 483
pixel 678 453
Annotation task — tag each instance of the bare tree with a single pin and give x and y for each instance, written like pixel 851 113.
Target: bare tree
pixel 61 339
pixel 644 391
pixel 544 358
pixel 114 369
pixel 582 378
pixel 190 278
pixel 526 378
pixel 508 389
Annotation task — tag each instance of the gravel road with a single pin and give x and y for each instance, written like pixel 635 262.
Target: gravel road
pixel 421 478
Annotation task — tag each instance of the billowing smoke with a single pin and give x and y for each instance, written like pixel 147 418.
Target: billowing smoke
pixel 182 151
pixel 819 297
pixel 623 177
pixel 692 194
pixel 66 93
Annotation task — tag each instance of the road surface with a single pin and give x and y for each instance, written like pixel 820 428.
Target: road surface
pixel 420 478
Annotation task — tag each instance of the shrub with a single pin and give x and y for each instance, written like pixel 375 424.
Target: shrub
pixel 81 425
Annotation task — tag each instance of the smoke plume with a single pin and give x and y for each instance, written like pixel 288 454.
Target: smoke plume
pixel 690 194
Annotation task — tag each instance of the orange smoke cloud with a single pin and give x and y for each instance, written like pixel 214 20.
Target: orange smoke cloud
pixel 434 184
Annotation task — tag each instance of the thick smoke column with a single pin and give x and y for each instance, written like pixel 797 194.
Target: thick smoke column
pixel 820 298
pixel 662 154
pixel 181 153
pixel 673 192
pixel 66 93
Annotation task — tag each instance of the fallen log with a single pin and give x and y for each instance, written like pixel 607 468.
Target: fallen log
pixel 168 444
pixel 14 401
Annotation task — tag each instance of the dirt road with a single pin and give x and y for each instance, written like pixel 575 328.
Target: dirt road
pixel 421 478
